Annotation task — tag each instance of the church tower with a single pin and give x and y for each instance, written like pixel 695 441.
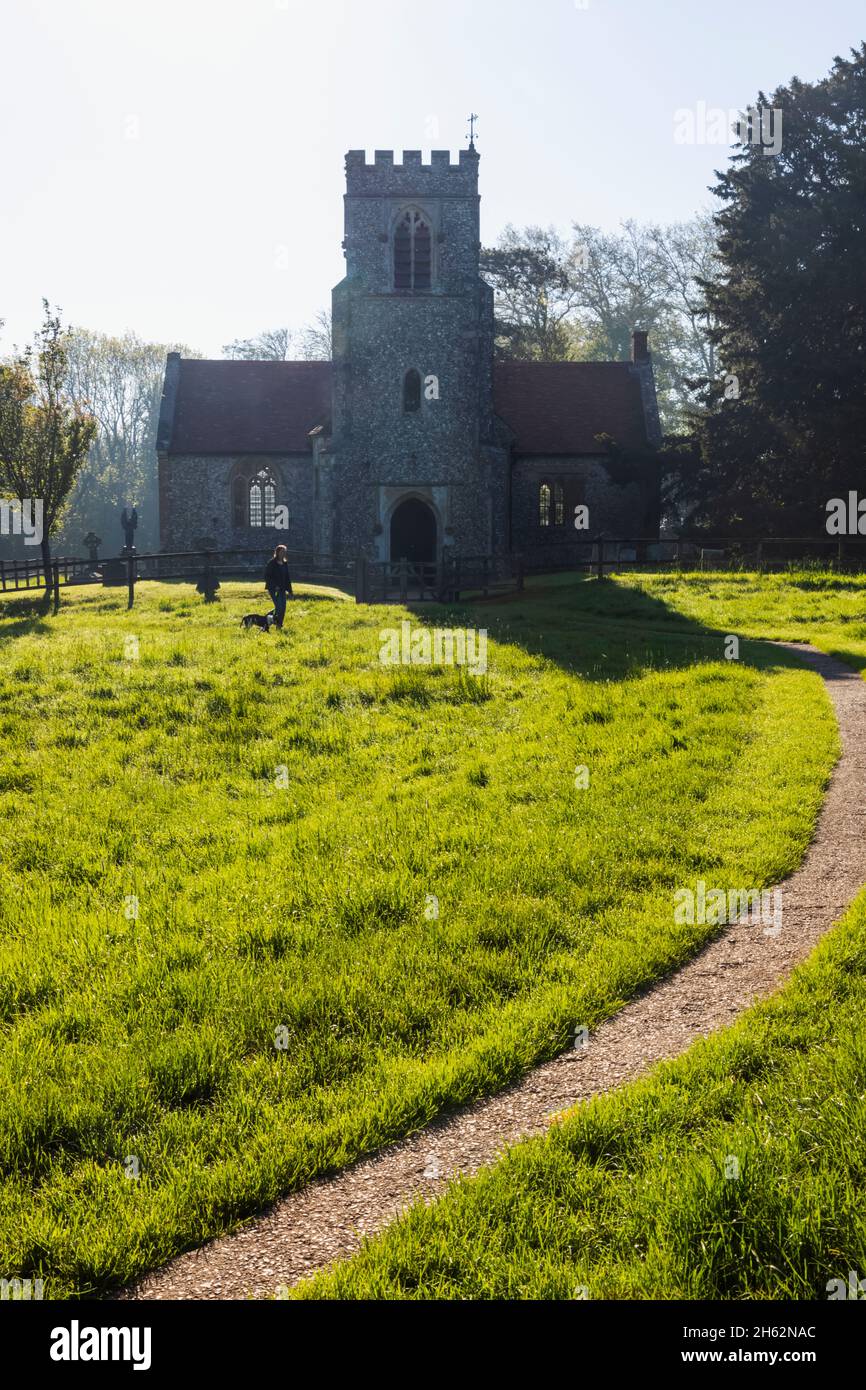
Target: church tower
pixel 412 467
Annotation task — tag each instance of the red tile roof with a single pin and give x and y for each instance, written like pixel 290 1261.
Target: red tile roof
pixel 559 407
pixel 249 407
pixel 231 407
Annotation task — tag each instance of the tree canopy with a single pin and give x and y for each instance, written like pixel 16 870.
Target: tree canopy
pixel 783 428
pixel 45 430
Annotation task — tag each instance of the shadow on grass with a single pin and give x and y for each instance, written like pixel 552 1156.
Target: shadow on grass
pixel 602 630
pixel 23 614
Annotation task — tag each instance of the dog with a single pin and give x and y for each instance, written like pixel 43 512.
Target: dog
pixel 256 620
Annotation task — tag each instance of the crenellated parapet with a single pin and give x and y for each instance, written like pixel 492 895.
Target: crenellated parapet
pixel 387 177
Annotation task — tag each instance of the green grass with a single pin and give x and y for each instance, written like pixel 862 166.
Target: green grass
pixel 826 609
pixel 633 1196
pixel 736 1172
pixel 284 810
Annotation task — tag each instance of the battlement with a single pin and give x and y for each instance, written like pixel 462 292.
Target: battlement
pixel 385 176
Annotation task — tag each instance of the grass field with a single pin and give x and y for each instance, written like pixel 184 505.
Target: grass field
pixel 266 904
pixel 826 609
pixel 736 1172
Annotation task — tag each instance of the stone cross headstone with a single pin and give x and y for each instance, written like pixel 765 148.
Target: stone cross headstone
pixel 93 542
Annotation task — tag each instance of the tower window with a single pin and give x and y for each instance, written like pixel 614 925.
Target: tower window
pixel 412 392
pixel 413 253
pixel 544 504
pixel 558 504
pixel 263 499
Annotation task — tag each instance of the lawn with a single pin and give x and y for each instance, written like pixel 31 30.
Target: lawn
pixel 736 1172
pixel 826 609
pixel 267 904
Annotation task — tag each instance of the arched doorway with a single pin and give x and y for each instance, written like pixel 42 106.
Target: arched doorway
pixel 413 532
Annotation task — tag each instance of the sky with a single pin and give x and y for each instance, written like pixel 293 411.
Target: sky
pixel 175 167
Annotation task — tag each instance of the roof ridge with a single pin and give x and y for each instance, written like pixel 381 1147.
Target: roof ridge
pixel 255 362
pixel 589 362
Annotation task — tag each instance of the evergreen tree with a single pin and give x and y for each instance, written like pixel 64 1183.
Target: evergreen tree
pixel 785 423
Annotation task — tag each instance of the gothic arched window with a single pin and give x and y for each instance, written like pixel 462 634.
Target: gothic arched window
pixel 544 501
pixel 558 504
pixel 263 499
pixel 412 391
pixel 413 253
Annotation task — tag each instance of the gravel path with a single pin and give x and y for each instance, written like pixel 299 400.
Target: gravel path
pixel 325 1221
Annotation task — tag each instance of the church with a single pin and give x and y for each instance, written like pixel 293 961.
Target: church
pixel 414 441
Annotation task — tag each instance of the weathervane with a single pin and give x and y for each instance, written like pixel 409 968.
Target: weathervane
pixel 472 119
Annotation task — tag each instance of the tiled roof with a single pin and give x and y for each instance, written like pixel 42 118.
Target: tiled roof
pixel 231 407
pixel 249 407
pixel 559 407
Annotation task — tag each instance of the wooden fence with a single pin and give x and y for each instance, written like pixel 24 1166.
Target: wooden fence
pixel 22 574
pixel 208 567
pixel 442 581
pixel 767 553
pixel 200 566
pixel 449 578
pixel 311 566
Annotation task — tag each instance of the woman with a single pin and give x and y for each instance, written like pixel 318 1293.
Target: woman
pixel 278 583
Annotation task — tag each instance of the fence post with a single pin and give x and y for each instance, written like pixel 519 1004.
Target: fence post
pixel 519 573
pixel 361 579
pixel 404 580
pixel 130 580
pixel 56 586
pixel 600 574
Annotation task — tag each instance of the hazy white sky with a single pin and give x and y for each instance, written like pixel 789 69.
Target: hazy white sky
pixel 176 166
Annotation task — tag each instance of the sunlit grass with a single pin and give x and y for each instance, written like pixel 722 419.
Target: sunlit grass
pixel 736 1172
pixel 266 904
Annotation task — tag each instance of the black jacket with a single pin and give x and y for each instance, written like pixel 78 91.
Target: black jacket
pixel 277 576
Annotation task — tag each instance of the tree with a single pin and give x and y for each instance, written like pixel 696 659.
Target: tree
pixel 273 345
pixel 686 256
pixel 121 381
pixel 618 286
pixel 316 340
pixel 581 299
pixel 45 432
pixel 312 344
pixel 648 277
pixel 535 295
pixel 789 315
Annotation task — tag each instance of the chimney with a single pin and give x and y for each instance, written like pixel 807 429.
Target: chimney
pixel 639 348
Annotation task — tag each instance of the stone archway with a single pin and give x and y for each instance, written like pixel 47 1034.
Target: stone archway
pixel 414 532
